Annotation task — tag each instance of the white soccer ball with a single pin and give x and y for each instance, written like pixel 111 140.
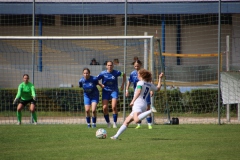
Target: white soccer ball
pixel 101 133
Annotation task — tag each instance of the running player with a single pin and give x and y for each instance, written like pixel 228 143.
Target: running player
pixel 91 96
pixel 134 79
pixel 139 104
pixel 26 94
pixel 109 79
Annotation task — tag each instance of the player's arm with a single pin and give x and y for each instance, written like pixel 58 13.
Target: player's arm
pixel 136 94
pixel 123 81
pixel 80 84
pixel 159 81
pixel 96 81
pixel 127 87
pixel 33 93
pixel 18 95
pixel 19 92
pixel 100 84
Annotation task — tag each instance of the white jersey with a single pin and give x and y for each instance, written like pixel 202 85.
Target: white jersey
pixel 140 104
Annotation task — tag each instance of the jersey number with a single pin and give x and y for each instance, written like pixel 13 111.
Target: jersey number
pixel 145 92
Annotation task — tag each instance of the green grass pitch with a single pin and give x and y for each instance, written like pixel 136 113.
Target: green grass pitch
pixel 163 142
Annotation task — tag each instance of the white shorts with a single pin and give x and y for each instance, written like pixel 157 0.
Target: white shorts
pixel 138 108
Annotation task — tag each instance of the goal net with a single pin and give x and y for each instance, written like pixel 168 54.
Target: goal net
pixel 55 65
pixel 230 87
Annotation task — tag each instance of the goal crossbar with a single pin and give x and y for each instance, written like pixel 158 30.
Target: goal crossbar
pixel 74 37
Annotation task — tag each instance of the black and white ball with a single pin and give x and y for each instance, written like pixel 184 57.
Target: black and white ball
pixel 101 133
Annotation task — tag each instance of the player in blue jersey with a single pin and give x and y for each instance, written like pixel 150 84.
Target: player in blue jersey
pixel 139 103
pixel 109 79
pixel 91 95
pixel 134 79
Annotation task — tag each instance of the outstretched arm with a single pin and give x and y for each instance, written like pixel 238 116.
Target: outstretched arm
pixel 159 81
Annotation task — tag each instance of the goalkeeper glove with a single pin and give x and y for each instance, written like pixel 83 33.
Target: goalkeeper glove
pixel 15 101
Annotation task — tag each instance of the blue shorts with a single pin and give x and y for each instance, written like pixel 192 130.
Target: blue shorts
pixel 108 95
pixel 148 99
pixel 88 100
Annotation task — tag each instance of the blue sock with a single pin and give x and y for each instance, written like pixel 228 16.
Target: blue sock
pixel 107 118
pixel 94 119
pixel 115 116
pixel 88 120
pixel 149 119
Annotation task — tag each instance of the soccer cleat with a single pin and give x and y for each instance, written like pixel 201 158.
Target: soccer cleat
pixel 153 109
pixel 88 126
pixel 35 123
pixel 109 125
pixel 114 138
pixel 94 126
pixel 149 126
pixel 114 125
pixel 18 123
pixel 138 126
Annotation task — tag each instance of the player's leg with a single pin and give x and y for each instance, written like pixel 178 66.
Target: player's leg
pixel 94 114
pixel 115 112
pixel 114 96
pixel 87 114
pixel 149 117
pixel 87 105
pixel 19 113
pixel 139 125
pixel 32 110
pixel 105 98
pixel 105 112
pixel 142 115
pixel 124 126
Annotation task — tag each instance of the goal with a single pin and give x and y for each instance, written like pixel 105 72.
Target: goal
pixel 55 66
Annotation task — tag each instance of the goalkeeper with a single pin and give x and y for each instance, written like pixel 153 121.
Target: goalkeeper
pixel 26 94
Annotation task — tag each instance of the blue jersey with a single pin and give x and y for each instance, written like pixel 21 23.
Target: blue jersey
pixel 134 78
pixel 110 79
pixel 89 86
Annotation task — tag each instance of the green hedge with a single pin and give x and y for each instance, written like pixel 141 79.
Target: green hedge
pixel 59 99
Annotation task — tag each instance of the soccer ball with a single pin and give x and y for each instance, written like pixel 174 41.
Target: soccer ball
pixel 101 133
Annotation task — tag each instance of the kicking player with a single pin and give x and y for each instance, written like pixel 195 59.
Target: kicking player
pixel 26 94
pixel 109 79
pixel 138 103
pixel 134 79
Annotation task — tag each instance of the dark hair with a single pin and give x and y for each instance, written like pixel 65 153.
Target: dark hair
pixel 145 74
pixel 138 62
pixel 26 75
pixel 109 61
pixel 86 69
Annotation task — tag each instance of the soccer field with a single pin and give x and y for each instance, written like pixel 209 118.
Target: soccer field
pixel 180 142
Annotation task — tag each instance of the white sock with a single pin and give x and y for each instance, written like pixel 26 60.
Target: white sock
pixel 144 114
pixel 120 131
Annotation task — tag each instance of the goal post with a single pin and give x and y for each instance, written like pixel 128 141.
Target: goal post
pixel 62 61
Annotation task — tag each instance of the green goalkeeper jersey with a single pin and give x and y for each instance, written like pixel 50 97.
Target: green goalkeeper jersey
pixel 26 91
